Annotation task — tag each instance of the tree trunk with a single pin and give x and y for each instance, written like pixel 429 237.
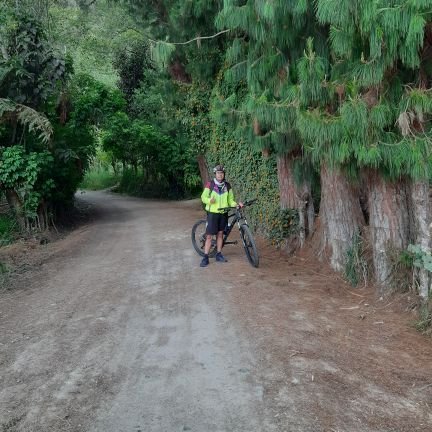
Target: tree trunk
pixel 287 189
pixel 389 224
pixel 341 217
pixel 43 216
pixel 15 204
pixel 421 209
pixel 293 196
pixel 203 167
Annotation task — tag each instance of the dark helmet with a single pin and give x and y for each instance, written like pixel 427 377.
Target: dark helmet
pixel 218 168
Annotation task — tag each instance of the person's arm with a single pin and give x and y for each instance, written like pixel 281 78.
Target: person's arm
pixel 206 195
pixel 231 200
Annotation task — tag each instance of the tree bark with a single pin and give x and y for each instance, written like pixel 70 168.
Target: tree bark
pixel 389 224
pixel 293 196
pixel 421 213
pixel 341 217
pixel 203 167
pixel 15 204
pixel 178 72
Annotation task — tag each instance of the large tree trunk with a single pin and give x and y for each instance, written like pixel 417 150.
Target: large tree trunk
pixel 203 167
pixel 389 222
pixel 293 196
pixel 341 217
pixel 15 204
pixel 43 218
pixel 421 213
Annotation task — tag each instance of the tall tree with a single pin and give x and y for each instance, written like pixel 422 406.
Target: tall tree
pixel 270 37
pixel 380 112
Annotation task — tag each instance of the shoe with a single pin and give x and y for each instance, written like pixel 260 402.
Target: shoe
pixel 204 262
pixel 220 257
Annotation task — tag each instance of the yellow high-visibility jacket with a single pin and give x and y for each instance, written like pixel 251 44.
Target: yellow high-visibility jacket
pixel 224 198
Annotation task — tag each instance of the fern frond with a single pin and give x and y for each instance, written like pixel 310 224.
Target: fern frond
pixel 32 119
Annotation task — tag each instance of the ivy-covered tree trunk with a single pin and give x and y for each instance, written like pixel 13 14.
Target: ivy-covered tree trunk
pixel 203 168
pixel 341 217
pixel 389 223
pixel 422 217
pixel 293 196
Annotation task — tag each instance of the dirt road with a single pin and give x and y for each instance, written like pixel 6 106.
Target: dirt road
pixel 119 329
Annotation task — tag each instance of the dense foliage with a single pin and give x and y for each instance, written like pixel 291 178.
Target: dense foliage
pixel 48 118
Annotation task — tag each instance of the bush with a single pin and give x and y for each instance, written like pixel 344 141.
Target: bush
pixel 8 230
pixel 135 184
pixel 98 178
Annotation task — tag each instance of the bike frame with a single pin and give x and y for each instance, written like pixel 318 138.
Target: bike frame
pixel 233 219
pixel 237 217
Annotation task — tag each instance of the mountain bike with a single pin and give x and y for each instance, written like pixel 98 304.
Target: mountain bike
pixel 236 217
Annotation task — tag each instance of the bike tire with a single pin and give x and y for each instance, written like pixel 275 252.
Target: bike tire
pixel 249 245
pixel 198 237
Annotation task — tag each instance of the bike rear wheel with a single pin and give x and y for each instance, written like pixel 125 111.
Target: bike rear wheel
pixel 198 236
pixel 249 245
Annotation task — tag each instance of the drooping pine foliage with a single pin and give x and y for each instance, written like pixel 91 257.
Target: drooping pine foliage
pixel 343 75
pixel 376 106
pixel 269 40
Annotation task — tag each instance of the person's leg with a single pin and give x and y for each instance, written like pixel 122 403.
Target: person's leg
pixel 209 230
pixel 219 241
pixel 207 244
pixel 222 222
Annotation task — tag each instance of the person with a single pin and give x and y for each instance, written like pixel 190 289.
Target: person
pixel 217 194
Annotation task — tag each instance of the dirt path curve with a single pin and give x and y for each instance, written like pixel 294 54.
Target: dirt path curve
pixel 120 330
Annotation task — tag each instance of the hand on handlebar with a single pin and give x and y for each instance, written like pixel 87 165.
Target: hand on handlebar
pixel 240 205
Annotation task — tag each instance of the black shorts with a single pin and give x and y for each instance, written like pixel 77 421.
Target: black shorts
pixel 216 222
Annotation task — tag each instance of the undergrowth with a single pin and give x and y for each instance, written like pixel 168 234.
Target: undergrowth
pixel 98 178
pixel 356 268
pixel 8 229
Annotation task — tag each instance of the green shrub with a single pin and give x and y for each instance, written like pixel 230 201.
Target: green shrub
pixel 136 184
pixel 8 230
pixel 98 178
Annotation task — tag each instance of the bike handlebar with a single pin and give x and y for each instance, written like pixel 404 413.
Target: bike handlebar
pixel 246 203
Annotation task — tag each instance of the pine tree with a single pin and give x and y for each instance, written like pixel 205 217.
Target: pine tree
pixel 269 40
pixel 376 122
pixel 345 87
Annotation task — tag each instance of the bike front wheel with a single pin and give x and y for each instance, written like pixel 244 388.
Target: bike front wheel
pixel 249 245
pixel 198 236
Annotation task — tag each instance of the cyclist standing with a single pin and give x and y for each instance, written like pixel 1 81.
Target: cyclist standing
pixel 217 194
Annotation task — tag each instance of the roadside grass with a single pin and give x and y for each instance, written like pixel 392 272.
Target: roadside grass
pixel 98 178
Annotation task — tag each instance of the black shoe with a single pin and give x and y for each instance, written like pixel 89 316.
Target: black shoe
pixel 204 262
pixel 220 257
